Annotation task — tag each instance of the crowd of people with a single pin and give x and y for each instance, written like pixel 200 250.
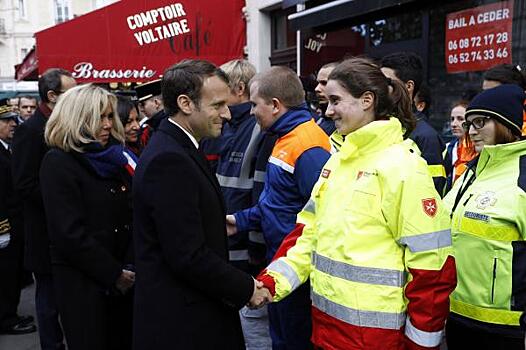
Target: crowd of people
pixel 218 209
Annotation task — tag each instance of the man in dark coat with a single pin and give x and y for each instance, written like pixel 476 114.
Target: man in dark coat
pixel 11 234
pixel 407 67
pixel 29 149
pixel 151 106
pixel 187 295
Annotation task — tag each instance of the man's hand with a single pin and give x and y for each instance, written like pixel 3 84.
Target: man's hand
pixel 231 228
pixel 125 281
pixel 260 297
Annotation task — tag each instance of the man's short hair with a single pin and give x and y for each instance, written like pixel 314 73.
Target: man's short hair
pixel 239 71
pixel 407 66
pixel 282 83
pixel 187 78
pixel 27 97
pixel 51 80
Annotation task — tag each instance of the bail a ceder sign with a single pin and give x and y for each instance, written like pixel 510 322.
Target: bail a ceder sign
pixel 136 40
pixel 479 38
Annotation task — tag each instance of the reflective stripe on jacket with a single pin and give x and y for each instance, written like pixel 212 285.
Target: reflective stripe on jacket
pixel 374 226
pixel 293 167
pixel 489 229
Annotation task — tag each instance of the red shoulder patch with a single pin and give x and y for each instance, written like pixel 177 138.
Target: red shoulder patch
pixel 430 206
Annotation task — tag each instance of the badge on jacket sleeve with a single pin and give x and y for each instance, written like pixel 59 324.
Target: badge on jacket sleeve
pixel 430 206
pixel 325 173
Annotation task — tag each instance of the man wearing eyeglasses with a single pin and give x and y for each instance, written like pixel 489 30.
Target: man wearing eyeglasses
pixel 29 148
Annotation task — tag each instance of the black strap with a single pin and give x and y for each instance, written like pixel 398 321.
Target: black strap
pixel 463 188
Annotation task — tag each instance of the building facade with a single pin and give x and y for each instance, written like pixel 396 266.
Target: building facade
pixel 457 40
pixel 20 19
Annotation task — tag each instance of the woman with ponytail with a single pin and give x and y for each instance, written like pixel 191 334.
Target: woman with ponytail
pixel 374 237
pixel 85 180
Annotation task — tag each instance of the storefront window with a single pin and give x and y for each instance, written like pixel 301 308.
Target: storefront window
pixel 283 41
pixel 393 29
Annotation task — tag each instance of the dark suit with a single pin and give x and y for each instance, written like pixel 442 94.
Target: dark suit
pixel 89 220
pixel 187 295
pixel 11 257
pixel 29 149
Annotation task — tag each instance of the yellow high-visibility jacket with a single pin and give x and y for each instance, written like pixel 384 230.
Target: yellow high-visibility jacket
pixel 489 238
pixel 376 245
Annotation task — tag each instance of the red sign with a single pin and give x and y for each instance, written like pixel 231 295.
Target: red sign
pixel 430 206
pixel 136 40
pixel 479 38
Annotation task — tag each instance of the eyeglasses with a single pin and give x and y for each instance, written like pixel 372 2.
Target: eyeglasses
pixel 478 123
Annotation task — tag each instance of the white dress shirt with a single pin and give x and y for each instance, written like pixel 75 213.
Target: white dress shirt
pixel 192 138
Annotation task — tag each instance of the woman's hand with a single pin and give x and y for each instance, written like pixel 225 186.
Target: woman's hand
pixel 125 281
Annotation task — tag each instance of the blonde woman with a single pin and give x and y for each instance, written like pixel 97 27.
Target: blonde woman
pixel 85 180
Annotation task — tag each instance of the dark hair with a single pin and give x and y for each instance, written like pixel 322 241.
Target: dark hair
pixel 124 107
pixel 503 134
pixel 424 95
pixel 187 78
pixel 407 66
pixel 51 80
pixel 282 83
pixel 506 74
pixel 358 75
pixel 27 97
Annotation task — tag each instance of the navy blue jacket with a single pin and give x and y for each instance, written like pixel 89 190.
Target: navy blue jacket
pixel 294 166
pixel 431 147
pixel 233 157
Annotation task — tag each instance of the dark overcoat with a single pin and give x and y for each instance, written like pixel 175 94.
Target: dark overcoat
pixel 29 149
pixel 89 219
pixel 187 295
pixel 11 257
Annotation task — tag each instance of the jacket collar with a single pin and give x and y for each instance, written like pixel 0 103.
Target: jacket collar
pixel 372 137
pixel 156 119
pixel 44 109
pixel 197 155
pixel 292 118
pixel 492 156
pixel 174 131
pixel 239 113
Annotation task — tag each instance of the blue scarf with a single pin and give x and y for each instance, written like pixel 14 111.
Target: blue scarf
pixel 109 162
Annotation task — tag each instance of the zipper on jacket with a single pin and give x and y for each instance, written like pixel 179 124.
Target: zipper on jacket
pixel 494 279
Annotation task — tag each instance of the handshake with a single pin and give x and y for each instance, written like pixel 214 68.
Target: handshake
pixel 260 297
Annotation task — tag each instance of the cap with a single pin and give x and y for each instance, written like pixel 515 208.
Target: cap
pixel 6 110
pixel 504 103
pixel 148 90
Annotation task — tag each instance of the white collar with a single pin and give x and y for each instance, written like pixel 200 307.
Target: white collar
pixel 192 138
pixel 5 144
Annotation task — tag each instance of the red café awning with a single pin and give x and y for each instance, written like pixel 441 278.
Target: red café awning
pixel 27 70
pixel 136 40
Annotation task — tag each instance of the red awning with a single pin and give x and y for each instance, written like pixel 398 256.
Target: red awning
pixel 28 69
pixel 136 40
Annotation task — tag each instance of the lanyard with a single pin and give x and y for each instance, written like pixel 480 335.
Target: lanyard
pixel 463 188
